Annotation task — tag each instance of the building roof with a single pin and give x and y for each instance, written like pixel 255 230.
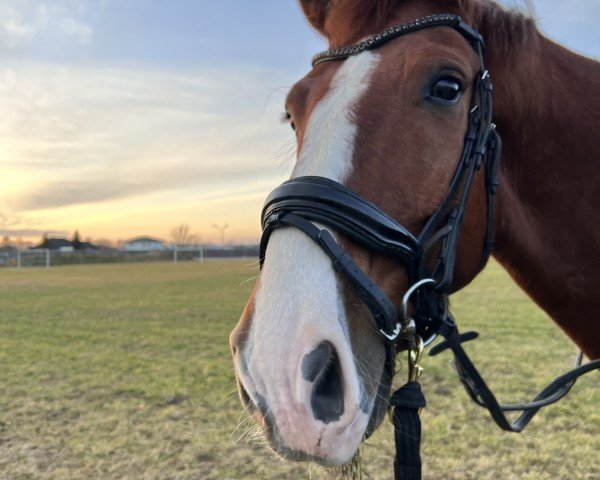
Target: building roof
pixel 144 239
pixel 58 243
pixel 55 243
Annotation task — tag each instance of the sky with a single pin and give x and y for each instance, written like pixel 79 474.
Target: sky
pixel 122 118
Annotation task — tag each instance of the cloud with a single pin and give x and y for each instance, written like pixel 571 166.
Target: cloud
pixel 76 29
pixel 27 233
pixel 104 186
pixel 8 220
pixel 9 223
pixel 79 135
pixel 35 24
pixel 18 26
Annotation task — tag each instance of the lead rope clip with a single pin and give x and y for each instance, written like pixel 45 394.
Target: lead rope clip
pixel 415 354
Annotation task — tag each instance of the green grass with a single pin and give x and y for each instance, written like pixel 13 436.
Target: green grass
pixel 123 372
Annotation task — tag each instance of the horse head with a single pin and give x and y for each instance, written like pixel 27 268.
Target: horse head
pixel 388 124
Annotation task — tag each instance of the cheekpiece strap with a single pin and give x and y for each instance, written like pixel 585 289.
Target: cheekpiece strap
pixel 381 307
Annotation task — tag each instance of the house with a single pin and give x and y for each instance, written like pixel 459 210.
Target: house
pixel 64 245
pixel 61 244
pixel 87 246
pixel 144 244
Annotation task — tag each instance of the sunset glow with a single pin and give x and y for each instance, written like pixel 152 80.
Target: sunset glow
pixel 129 118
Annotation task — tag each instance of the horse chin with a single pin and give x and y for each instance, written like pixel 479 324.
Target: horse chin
pixel 331 452
pixel 338 444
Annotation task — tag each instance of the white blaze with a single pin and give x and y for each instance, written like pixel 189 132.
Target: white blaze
pixel 329 139
pixel 298 303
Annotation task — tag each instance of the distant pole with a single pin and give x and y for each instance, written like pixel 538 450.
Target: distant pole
pixel 19 259
pixel 221 228
pixel 47 258
pixel 174 253
pixel 201 253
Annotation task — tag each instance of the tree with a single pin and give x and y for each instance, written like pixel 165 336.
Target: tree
pixel 104 243
pixel 76 241
pixel 183 236
pixel 5 241
pixel 43 242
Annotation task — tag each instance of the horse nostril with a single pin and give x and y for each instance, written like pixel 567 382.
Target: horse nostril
pixel 322 366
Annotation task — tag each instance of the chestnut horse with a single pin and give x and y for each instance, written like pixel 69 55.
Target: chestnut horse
pixel 390 125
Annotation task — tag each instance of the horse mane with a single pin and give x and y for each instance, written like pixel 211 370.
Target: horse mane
pixel 507 29
pixel 348 19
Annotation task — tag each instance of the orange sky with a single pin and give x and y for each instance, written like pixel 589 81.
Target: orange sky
pixel 145 152
pixel 122 119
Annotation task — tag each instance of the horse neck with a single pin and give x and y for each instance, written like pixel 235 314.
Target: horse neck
pixel 546 106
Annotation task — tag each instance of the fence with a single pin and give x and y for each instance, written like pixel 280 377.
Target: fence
pixel 44 258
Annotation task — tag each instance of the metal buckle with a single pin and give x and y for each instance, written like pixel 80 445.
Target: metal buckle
pixel 409 293
pixel 394 333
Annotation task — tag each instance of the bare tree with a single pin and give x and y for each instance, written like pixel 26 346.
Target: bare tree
pixel 182 235
pixel 103 243
pixel 43 242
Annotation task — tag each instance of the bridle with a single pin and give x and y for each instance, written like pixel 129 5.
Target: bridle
pixel 305 202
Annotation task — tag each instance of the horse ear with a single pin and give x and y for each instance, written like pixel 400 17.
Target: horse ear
pixel 315 12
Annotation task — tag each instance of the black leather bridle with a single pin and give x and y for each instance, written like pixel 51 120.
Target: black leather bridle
pixel 301 201
pixel 307 202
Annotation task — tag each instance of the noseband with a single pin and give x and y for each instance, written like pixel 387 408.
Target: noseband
pixel 306 202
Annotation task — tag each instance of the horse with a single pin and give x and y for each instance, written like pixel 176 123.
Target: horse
pixel 390 124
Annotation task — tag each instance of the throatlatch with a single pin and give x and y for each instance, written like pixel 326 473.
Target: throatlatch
pixel 302 201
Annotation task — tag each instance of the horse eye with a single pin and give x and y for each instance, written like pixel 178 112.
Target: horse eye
pixel 446 91
pixel 287 118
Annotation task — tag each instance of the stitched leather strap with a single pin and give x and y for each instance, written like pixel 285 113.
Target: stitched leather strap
pixel 407 401
pixel 381 307
pixel 322 200
pixel 480 393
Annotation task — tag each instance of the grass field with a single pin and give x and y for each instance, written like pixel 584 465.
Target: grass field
pixel 123 372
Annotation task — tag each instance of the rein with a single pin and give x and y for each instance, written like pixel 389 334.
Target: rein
pixel 306 202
